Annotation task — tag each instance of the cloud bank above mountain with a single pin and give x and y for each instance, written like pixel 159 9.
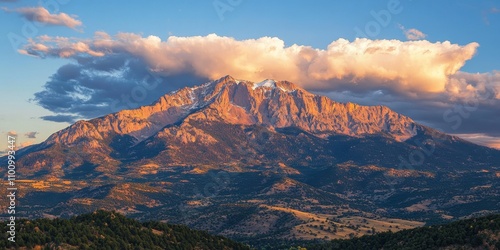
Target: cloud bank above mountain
pixel 127 70
pixel 403 67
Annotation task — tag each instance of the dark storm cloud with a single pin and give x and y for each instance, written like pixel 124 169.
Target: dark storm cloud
pixel 95 86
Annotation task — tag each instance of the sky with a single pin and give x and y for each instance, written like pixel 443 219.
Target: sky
pixel 434 61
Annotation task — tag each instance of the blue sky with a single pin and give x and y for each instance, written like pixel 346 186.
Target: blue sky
pixel 316 24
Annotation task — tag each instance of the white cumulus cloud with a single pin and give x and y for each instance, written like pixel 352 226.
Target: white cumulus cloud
pixel 412 67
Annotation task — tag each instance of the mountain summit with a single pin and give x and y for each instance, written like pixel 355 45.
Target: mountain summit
pixel 278 104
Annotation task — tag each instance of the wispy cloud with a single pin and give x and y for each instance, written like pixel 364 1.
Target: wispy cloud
pixel 412 34
pixel 61 117
pixel 482 139
pixel 25 144
pixel 42 15
pixel 486 13
pixel 31 135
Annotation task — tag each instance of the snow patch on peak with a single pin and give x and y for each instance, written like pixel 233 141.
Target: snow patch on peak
pixel 205 85
pixel 269 83
pixel 272 84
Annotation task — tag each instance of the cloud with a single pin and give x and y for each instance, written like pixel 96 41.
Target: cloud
pixel 42 15
pixel 25 144
pixel 465 86
pixel 8 1
pixel 470 104
pixel 97 86
pixel 412 34
pixel 485 13
pixel 31 135
pixel 60 118
pixel 411 68
pixel 482 139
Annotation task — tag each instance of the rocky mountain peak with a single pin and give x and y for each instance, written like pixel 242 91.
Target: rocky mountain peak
pixel 277 104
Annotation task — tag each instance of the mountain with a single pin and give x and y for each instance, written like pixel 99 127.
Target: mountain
pixel 259 160
pixel 111 230
pixel 188 117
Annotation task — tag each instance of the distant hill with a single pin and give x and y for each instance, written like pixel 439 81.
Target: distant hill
pixel 477 233
pixel 110 230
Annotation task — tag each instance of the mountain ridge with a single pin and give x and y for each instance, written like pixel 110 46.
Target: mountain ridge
pixel 247 108
pixel 234 157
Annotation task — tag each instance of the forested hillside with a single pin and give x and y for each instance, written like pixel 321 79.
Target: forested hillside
pixel 110 230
